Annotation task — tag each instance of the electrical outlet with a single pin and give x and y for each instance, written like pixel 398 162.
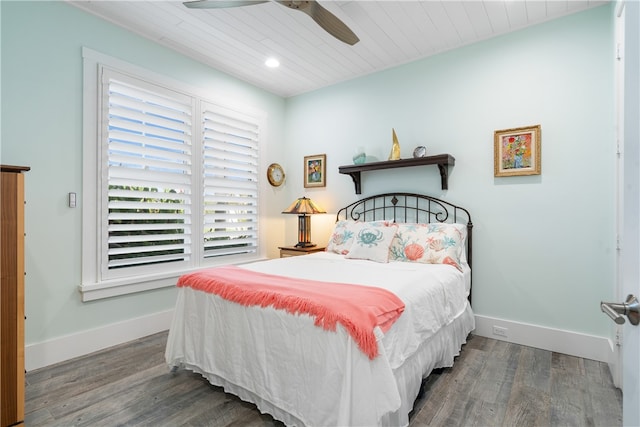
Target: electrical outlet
pixel 500 331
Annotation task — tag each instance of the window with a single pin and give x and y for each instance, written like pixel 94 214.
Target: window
pixel 230 185
pixel 176 184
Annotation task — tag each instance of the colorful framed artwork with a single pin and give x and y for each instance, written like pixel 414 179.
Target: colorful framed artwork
pixel 517 151
pixel 315 168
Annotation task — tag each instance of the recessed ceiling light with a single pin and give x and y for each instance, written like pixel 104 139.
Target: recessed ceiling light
pixel 272 63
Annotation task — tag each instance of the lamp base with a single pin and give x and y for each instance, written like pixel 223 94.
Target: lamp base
pixel 305 245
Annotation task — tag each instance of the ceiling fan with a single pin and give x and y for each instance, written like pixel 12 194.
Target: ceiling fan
pixel 327 20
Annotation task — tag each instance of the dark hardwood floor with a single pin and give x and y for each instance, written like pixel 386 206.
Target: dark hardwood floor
pixel 493 383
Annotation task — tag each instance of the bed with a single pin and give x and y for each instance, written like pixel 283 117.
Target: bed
pixel 413 247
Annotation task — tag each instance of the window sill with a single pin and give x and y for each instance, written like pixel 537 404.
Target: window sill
pixel 113 288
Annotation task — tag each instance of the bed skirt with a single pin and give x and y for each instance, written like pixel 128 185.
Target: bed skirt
pixel 186 348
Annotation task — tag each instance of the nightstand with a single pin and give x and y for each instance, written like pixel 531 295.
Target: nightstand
pixel 286 251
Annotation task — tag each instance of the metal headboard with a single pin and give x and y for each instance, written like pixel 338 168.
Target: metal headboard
pixel 408 207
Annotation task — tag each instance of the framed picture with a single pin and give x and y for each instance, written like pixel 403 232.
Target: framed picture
pixel 517 151
pixel 315 168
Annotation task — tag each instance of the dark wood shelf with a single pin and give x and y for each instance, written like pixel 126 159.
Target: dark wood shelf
pixel 442 160
pixel 14 169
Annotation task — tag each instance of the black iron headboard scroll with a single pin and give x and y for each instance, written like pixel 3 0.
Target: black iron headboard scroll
pixel 408 207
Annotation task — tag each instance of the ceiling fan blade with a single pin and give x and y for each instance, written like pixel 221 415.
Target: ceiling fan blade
pixel 327 20
pixel 215 4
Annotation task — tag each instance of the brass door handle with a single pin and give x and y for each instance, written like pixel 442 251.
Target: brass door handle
pixel 630 308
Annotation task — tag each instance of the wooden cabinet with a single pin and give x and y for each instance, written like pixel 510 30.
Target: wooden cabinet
pixel 12 295
pixel 286 251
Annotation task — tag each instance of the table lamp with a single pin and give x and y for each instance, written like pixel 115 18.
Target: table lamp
pixel 303 207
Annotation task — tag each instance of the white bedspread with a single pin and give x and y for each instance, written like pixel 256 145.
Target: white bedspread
pixel 304 375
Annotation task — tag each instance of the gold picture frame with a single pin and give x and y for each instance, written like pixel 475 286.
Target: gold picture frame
pixel 315 171
pixel 516 151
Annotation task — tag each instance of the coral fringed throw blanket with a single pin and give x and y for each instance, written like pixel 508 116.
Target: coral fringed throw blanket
pixel 359 309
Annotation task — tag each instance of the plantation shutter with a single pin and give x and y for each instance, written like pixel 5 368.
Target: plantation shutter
pixel 230 174
pixel 149 174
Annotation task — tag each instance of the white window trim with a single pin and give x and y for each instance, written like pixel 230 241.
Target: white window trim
pixel 91 287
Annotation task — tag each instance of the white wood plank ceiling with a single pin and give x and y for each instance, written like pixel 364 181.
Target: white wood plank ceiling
pixel 238 40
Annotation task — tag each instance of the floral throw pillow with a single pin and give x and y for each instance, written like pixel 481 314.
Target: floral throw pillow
pixel 342 237
pixel 428 243
pixel 372 242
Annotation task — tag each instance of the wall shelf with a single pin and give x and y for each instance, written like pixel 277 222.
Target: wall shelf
pixel 442 160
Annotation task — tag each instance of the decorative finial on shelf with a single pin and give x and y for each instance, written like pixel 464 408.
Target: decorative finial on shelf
pixel 395 148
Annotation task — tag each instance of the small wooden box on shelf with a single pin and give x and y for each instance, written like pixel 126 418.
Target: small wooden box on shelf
pixel 286 251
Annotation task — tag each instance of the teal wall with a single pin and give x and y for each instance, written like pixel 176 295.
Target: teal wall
pixel 544 249
pixel 544 246
pixel 42 117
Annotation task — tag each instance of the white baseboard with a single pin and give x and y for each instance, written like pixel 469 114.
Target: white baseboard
pixel 47 353
pixel 560 341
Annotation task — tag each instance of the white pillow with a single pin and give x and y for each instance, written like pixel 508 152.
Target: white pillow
pixel 342 236
pixel 372 242
pixel 434 243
